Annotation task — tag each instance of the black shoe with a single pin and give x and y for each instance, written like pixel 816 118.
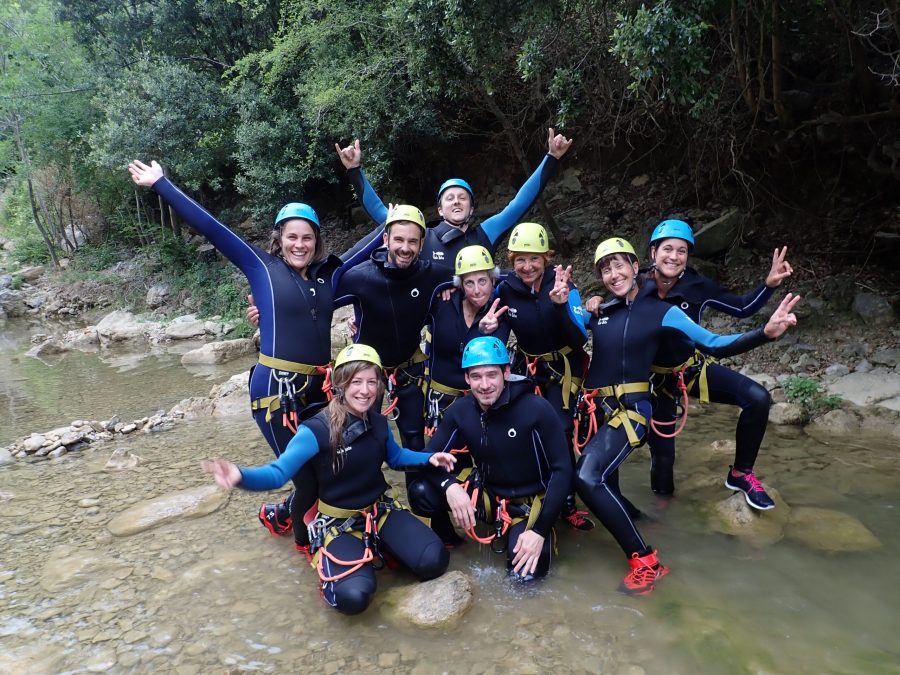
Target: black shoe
pixel 276 518
pixel 578 520
pixel 753 490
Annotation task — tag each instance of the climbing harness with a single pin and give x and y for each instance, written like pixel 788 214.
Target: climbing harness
pixel 697 364
pixel 392 387
pixel 290 399
pixel 570 383
pixel 615 414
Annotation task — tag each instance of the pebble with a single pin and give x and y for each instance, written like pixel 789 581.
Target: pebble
pixel 88 502
pixel 128 428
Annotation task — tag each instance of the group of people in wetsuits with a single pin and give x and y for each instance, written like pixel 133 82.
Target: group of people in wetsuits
pixel 490 432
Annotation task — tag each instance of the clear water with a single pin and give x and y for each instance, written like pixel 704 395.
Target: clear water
pixel 218 594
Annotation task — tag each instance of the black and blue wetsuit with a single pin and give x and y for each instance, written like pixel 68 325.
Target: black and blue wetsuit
pixel 391 305
pixel 352 480
pixel 444 241
pixel 710 381
pixel 520 453
pixel 625 338
pixel 294 321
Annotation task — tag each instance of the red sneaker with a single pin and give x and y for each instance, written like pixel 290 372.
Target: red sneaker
pixel 276 518
pixel 643 575
pixel 303 549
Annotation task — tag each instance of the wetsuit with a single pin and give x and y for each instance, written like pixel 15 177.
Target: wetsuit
pixel 354 481
pixel 391 306
pixel 707 380
pixel 294 324
pixel 444 241
pixel 520 453
pixel 625 339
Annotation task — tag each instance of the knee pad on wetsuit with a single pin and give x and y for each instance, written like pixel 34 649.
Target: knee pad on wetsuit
pixel 758 397
pixel 424 498
pixel 433 562
pixel 353 595
pixel 589 472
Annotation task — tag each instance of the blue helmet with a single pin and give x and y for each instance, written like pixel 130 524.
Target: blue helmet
pixel 485 351
pixel 297 210
pixel 455 182
pixel 677 229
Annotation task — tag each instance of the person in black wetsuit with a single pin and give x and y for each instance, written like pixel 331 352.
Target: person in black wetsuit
pixel 359 520
pixel 549 346
pixel 673 281
pixel 522 470
pixel 293 283
pixel 626 336
pixel 456 205
pixel 391 294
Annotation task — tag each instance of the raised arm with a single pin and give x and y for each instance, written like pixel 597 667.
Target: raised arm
pixel 299 451
pixel 566 297
pixel 496 226
pixel 351 158
pixel 227 242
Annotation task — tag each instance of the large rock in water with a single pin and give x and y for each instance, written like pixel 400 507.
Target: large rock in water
pixel 119 326
pixel 867 388
pixel 735 517
pixel 214 353
pixel 232 397
pixel 827 530
pixel 191 503
pixel 121 460
pixel 186 327
pixel 67 568
pixel 438 602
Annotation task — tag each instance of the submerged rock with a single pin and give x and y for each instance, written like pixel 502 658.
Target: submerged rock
pixel 145 515
pixel 66 568
pixel 438 602
pixel 828 530
pixel 219 352
pixel 119 326
pixel 121 459
pixel 735 517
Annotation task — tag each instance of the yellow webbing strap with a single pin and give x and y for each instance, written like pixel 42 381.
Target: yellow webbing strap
pixel 699 358
pixel 290 366
pixel 623 418
pixel 619 390
pixel 268 403
pixel 418 357
pixel 535 503
pixel 569 384
pixel 443 389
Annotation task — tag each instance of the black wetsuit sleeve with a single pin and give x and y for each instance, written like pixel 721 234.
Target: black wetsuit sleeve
pixel 719 346
pixel 367 196
pixel 549 439
pixel 445 439
pixel 740 306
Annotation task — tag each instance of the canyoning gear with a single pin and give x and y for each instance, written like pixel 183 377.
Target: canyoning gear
pixel 357 352
pixel 578 519
pixel 473 259
pixel 455 182
pixel 673 229
pixel 444 241
pixel 405 212
pixel 611 246
pixel 484 351
pixel 276 518
pixel 529 238
pixel 296 210
pixel 753 490
pixel 645 571
pixel 610 402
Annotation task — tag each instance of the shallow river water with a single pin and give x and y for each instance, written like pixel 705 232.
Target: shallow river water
pixel 218 594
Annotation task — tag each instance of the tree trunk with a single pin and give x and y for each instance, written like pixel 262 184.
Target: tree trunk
pixel 777 98
pixel 173 221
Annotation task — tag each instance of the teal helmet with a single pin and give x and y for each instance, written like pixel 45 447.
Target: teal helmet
pixel 455 182
pixel 297 210
pixel 669 229
pixel 485 351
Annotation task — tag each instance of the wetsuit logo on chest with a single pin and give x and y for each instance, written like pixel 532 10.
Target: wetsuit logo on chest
pixel 512 313
pixel 437 255
pixel 602 320
pixel 511 432
pixel 414 293
pixel 685 305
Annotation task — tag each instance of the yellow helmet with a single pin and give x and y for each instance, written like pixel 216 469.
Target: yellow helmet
pixel 529 238
pixel 473 259
pixel 613 245
pixel 407 213
pixel 357 352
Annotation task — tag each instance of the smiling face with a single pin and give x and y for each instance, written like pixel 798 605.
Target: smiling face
pixel 529 267
pixel 617 273
pixel 455 206
pixel 670 257
pixel 298 243
pixel 404 242
pixel 478 287
pixel 486 383
pixel 362 391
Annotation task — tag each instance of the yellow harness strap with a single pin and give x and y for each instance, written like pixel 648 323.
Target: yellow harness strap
pixel 619 390
pixel 418 357
pixel 699 358
pixel 535 503
pixel 290 366
pixel 334 531
pixel 623 418
pixel 443 389
pixel 570 385
pixel 268 403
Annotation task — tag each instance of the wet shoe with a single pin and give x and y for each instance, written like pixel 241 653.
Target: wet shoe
pixel 645 571
pixel 753 490
pixel 276 518
pixel 303 549
pixel 578 520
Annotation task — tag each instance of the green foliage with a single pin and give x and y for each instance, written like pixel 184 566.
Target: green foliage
pixel 97 256
pixel 663 49
pixel 19 227
pixel 808 394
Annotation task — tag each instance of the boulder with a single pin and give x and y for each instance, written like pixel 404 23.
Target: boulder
pixel 47 348
pixel 82 338
pixel 219 352
pixel 119 326
pixel 735 517
pixel 193 408
pixel 828 530
pixel 121 460
pixel 158 295
pixel 340 332
pixel 232 396
pixel 5 281
pixel 785 413
pixel 5 456
pixel 439 602
pixel 185 327
pixel 717 236
pixel 191 503
pixel 34 443
pixel 837 423
pixel 12 303
pixel 836 370
pixel 886 357
pixel 66 569
pixel 31 274
pixel 866 388
pixel 873 309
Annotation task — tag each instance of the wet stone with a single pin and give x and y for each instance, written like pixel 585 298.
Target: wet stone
pixel 129 659
pixel 191 503
pixel 101 662
pixel 88 502
pixel 388 660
